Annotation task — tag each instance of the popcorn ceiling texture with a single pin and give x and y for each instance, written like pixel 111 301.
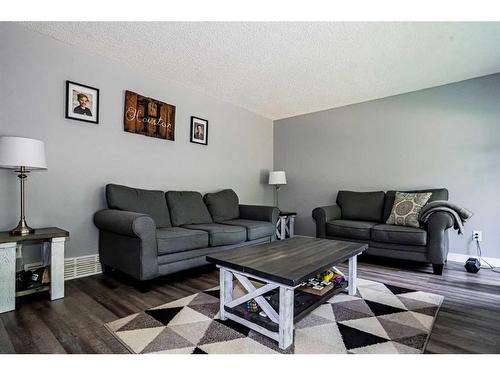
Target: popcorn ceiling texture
pixel 282 69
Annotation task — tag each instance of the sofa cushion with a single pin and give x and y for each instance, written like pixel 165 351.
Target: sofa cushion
pixel 399 235
pixel 359 230
pixel 220 234
pixel 255 229
pixel 407 208
pixel 366 206
pixel 223 205
pixel 187 207
pixel 437 194
pixel 150 202
pixel 175 239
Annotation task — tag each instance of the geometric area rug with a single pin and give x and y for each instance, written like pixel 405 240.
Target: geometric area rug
pixel 380 319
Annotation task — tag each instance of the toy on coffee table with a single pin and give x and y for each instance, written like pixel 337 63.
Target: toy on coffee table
pixel 338 279
pixel 329 276
pixel 252 306
pixel 326 276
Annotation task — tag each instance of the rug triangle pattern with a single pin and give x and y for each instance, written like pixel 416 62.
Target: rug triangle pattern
pixel 380 319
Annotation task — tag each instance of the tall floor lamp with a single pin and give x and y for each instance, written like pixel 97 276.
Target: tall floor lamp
pixel 277 178
pixel 22 155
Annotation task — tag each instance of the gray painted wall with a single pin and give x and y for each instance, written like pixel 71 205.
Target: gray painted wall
pixel 83 157
pixel 447 136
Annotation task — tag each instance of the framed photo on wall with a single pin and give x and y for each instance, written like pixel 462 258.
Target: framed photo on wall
pixel 82 102
pixel 199 130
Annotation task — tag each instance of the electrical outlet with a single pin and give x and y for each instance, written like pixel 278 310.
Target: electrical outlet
pixel 477 235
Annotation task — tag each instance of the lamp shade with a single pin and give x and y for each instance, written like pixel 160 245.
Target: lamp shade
pixel 16 152
pixel 277 178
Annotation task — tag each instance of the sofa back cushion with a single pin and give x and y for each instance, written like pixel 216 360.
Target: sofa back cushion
pixel 150 202
pixel 437 194
pixel 367 206
pixel 223 205
pixel 187 207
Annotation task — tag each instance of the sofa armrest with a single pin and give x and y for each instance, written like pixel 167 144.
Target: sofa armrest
pixel 127 242
pixel 261 213
pixel 437 236
pixel 127 223
pixel 323 214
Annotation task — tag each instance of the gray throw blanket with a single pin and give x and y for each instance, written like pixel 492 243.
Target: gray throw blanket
pixel 460 214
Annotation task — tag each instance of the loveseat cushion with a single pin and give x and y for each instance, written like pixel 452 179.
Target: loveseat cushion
pixel 223 205
pixel 220 234
pixel 187 207
pixel 176 239
pixel 365 206
pixel 358 230
pixel 255 229
pixel 150 202
pixel 390 195
pixel 399 235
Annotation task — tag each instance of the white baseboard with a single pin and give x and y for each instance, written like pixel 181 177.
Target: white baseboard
pixel 90 265
pixel 461 258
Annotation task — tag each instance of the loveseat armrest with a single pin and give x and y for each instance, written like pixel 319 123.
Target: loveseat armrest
pixel 260 213
pixel 127 223
pixel 323 214
pixel 437 225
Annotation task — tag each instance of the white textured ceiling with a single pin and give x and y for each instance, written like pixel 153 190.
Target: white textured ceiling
pixel 281 69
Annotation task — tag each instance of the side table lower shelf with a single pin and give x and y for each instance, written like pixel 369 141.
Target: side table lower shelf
pixel 26 292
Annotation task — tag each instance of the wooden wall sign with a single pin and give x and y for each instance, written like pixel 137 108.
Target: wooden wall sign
pixel 149 117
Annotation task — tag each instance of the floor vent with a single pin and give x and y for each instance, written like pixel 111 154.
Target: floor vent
pixel 81 266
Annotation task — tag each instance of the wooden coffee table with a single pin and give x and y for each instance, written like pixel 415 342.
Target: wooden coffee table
pixel 281 266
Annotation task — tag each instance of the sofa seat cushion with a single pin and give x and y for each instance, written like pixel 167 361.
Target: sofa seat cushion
pixel 359 230
pixel 187 207
pixel 175 239
pixel 255 229
pixel 220 234
pixel 399 235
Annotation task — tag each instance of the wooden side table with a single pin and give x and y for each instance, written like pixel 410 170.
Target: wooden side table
pixel 285 225
pixel 8 244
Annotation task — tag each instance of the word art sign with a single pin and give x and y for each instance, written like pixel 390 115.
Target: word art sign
pixel 149 116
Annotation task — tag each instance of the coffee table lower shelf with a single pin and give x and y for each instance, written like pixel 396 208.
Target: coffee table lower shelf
pixel 304 303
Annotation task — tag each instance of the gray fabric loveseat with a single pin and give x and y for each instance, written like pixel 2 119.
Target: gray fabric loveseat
pixel 361 217
pixel 146 233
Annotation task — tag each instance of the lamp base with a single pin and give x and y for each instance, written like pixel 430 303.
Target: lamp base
pixel 22 229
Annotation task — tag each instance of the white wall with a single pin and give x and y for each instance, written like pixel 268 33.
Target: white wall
pixel 83 157
pixel 447 136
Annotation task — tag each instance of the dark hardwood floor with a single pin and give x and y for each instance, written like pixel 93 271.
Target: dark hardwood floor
pixel 468 321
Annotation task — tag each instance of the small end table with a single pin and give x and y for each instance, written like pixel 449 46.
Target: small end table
pixel 8 244
pixel 285 225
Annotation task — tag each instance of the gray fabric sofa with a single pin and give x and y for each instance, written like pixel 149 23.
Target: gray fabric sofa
pixel 148 233
pixel 361 217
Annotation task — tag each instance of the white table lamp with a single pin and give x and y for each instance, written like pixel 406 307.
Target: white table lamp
pixel 22 155
pixel 277 178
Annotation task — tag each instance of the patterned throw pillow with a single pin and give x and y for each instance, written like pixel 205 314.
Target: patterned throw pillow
pixel 406 208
